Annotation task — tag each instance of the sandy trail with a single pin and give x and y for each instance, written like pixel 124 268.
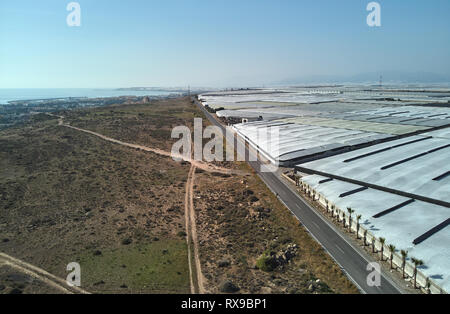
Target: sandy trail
pixel 188 233
pixel 193 230
pixel 191 226
pixel 40 274
pixel 198 164
pixel 190 217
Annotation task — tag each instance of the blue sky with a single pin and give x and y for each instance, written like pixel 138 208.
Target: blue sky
pixel 215 42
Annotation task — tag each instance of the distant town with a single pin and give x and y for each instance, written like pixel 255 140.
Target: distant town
pixel 20 111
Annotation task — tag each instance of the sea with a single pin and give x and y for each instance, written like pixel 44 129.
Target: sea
pixel 14 94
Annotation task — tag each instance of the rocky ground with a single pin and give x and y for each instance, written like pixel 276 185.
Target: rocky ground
pixel 250 243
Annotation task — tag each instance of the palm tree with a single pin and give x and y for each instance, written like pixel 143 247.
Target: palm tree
pixel 428 286
pixel 404 256
pixel 373 244
pixel 343 219
pixel 358 218
pixel 382 241
pixel 417 263
pixel 391 251
pixel 350 212
pixel 365 237
pixel 327 203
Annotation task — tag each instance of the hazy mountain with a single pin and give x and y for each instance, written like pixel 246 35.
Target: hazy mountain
pixel 388 77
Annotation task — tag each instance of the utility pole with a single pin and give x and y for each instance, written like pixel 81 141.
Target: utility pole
pixel 381 81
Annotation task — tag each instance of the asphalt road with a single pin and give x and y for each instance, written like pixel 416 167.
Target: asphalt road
pixel 347 257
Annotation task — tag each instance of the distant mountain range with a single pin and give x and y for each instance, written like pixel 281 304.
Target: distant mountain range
pixel 388 77
pixel 163 89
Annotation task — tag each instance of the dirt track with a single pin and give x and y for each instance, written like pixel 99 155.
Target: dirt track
pixel 191 234
pixel 197 164
pixel 191 229
pixel 39 274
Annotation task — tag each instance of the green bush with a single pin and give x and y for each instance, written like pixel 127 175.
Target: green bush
pixel 266 263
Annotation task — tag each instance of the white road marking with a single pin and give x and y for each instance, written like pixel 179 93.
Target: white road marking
pixel 339 248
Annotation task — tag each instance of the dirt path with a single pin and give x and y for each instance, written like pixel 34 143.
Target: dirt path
pixel 193 231
pixel 190 218
pixel 198 164
pixel 40 274
pixel 188 232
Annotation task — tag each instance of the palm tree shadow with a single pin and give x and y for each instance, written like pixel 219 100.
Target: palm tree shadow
pixel 441 277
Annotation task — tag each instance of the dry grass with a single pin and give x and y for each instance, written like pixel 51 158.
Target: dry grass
pixel 65 195
pixel 68 196
pixel 239 220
